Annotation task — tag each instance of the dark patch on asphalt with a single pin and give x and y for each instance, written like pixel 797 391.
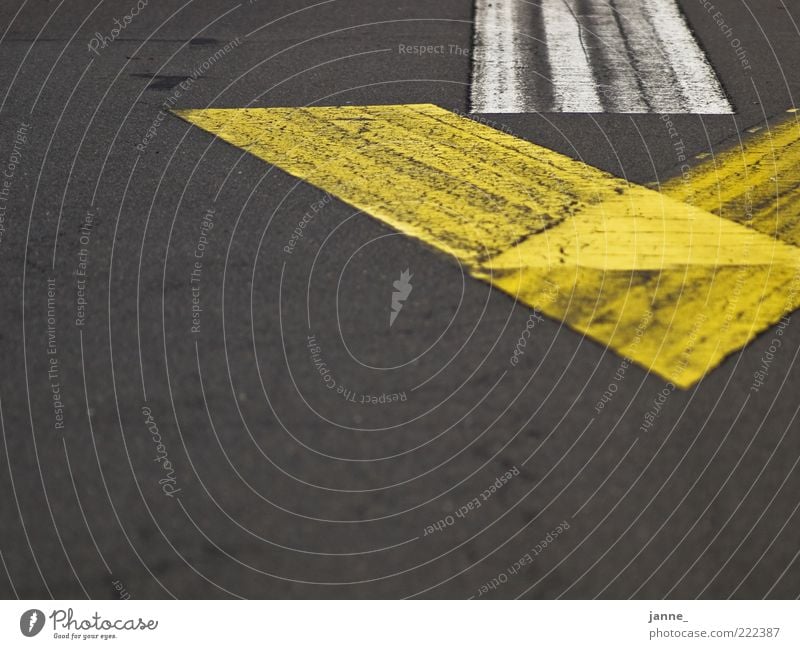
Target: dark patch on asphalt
pixel 161 81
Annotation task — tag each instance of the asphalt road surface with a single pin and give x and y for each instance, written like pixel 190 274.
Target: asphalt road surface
pixel 199 402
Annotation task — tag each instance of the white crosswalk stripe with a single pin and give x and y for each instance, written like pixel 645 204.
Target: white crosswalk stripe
pixel 616 56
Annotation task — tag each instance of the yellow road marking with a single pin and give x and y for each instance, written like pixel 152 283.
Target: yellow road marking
pixel 464 188
pixel 575 242
pixel 757 185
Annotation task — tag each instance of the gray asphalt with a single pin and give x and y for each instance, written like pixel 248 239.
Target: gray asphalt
pixel 278 486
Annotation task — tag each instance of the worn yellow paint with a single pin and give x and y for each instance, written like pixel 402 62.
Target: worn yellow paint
pixel 756 184
pixel 462 187
pixel 670 285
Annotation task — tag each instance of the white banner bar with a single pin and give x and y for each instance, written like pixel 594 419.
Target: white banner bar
pixel 400 625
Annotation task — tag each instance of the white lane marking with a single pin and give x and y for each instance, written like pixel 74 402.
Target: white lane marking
pixel 620 56
pixel 574 86
pixel 498 49
pixel 696 78
pixel 620 87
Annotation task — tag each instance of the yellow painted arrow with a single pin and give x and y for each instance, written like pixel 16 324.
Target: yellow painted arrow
pixel 669 284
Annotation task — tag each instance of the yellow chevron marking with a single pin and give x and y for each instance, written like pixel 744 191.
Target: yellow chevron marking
pixel 579 244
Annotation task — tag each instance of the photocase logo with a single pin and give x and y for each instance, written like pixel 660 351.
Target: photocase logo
pixel 402 291
pixel 31 622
